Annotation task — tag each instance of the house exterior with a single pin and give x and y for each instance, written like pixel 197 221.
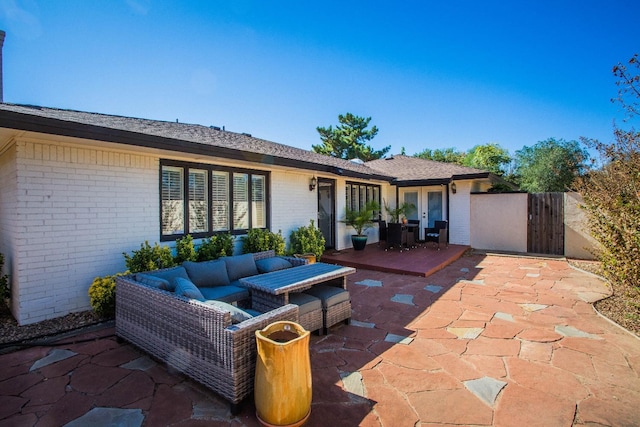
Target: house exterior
pixel 440 191
pixel 78 189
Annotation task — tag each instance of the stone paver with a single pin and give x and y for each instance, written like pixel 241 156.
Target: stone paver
pixel 487 341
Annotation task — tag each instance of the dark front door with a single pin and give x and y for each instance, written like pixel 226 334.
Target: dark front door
pixel 327 211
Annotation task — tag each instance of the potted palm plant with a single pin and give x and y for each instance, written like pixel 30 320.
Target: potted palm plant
pixel 400 211
pixel 361 220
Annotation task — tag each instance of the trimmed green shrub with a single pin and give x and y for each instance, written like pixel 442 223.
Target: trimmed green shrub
pixel 102 295
pixel 4 281
pixel 149 258
pixel 307 240
pixel 185 251
pixel 215 247
pixel 259 239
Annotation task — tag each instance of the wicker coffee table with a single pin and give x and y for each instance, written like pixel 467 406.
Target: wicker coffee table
pixel 271 290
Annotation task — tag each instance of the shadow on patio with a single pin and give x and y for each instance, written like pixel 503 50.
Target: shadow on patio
pixel 488 340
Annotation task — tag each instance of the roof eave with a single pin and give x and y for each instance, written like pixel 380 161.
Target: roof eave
pixel 46 125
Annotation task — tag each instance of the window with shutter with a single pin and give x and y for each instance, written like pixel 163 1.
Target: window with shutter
pixel 220 200
pixel 198 203
pixel 172 200
pixel 214 199
pixel 258 202
pixel 240 201
pixel 358 195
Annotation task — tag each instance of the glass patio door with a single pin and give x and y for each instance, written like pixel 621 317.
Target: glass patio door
pixel 327 211
pixel 434 208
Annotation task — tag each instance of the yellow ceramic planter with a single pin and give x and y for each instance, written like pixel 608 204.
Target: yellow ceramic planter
pixel 283 375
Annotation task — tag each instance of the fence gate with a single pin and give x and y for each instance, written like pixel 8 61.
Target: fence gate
pixel 545 233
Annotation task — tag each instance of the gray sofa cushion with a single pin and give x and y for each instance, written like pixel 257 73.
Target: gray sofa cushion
pixel 306 303
pixel 225 293
pixel 208 273
pixel 268 265
pixel 329 295
pixel 187 288
pixel 153 281
pixel 237 314
pixel 239 266
pixel 168 274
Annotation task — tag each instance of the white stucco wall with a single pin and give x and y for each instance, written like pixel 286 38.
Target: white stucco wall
pixel 77 210
pixel 499 221
pixel 578 243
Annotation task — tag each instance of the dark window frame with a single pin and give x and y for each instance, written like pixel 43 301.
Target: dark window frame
pixel 210 168
pixel 354 192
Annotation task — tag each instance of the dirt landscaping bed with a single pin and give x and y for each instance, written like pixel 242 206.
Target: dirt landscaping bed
pixel 10 332
pixel 623 307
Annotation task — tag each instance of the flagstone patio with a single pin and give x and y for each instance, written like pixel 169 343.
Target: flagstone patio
pixel 487 341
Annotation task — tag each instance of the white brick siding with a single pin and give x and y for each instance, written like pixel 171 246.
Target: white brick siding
pixel 292 204
pixel 77 210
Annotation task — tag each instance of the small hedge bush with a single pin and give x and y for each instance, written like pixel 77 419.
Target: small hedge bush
pixel 215 247
pixel 149 258
pixel 4 282
pixel 102 295
pixel 258 240
pixel 185 251
pixel 307 240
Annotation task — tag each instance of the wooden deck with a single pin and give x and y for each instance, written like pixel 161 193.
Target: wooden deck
pixel 422 261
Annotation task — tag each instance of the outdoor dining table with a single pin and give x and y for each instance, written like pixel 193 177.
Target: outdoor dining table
pixel 271 290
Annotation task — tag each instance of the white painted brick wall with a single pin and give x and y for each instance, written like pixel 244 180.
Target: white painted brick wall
pixel 78 209
pixel 292 204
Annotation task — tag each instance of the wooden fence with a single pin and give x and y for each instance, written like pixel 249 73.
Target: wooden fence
pixel 545 230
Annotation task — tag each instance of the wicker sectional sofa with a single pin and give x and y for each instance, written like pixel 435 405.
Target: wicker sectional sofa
pixel 205 340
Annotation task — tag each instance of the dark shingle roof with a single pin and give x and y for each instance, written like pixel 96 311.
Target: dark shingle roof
pixel 420 171
pixel 182 137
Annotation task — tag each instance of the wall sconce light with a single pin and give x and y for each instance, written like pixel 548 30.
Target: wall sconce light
pixel 312 183
pixel 453 188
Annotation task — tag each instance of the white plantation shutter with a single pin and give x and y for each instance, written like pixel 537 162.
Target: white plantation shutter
pixel 240 201
pixel 258 200
pixel 198 203
pixel 172 200
pixel 212 198
pixel 220 200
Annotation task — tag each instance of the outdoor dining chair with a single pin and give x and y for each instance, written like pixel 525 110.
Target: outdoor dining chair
pixel 437 234
pixel 396 235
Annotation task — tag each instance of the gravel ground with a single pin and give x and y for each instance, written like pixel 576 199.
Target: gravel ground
pixel 623 308
pixel 10 332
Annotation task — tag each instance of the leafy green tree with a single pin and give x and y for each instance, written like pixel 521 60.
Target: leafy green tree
pixel 550 165
pixel 490 157
pixel 447 155
pixel 348 139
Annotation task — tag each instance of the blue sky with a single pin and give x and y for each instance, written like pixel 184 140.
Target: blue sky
pixel 429 74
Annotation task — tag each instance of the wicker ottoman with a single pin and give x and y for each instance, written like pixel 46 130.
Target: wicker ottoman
pixel 309 311
pixel 336 304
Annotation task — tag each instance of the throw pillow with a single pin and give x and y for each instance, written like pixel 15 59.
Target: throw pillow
pixel 208 273
pixel 154 282
pixel 186 288
pixel 168 274
pixel 237 315
pixel 268 265
pixel 239 266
